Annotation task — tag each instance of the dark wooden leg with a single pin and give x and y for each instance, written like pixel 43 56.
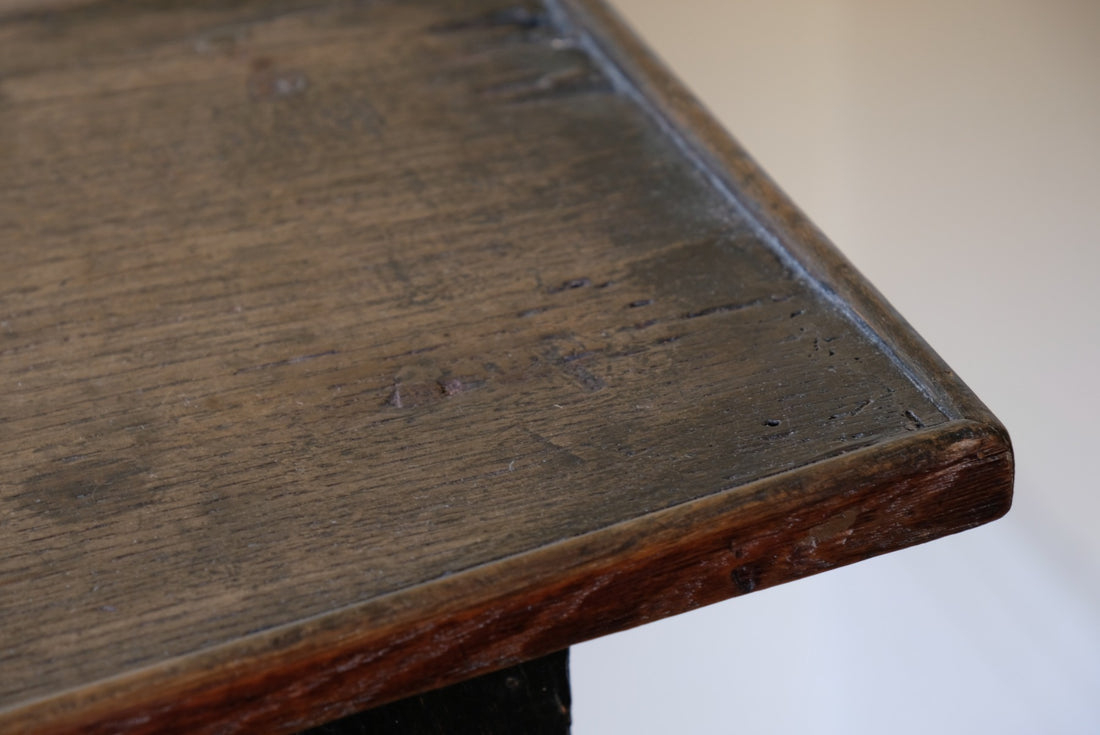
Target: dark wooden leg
pixel 529 698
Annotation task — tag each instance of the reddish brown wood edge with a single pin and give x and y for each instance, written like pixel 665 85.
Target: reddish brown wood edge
pixel 832 513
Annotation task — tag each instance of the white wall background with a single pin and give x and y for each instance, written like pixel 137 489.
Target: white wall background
pixel 952 150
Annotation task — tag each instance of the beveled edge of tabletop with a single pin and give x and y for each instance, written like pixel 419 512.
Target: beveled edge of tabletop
pixel 844 509
pixel 925 485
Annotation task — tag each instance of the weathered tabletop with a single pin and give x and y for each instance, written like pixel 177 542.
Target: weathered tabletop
pixel 349 349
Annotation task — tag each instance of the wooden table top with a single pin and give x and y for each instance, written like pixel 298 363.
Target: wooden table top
pixel 352 349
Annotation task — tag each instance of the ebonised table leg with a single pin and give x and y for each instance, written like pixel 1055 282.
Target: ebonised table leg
pixel 532 698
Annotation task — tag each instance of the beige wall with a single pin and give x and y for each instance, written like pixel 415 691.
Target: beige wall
pixel 952 151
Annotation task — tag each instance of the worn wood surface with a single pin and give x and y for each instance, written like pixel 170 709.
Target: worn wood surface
pixel 352 349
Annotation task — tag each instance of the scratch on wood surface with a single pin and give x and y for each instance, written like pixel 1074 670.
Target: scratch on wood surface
pixel 859 409
pixel 562 451
pixel 572 366
pixel 579 79
pixel 571 284
pixel 722 309
pixel 415 394
pixel 283 363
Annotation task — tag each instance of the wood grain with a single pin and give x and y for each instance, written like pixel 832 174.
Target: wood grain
pixel 353 349
pixel 28 7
